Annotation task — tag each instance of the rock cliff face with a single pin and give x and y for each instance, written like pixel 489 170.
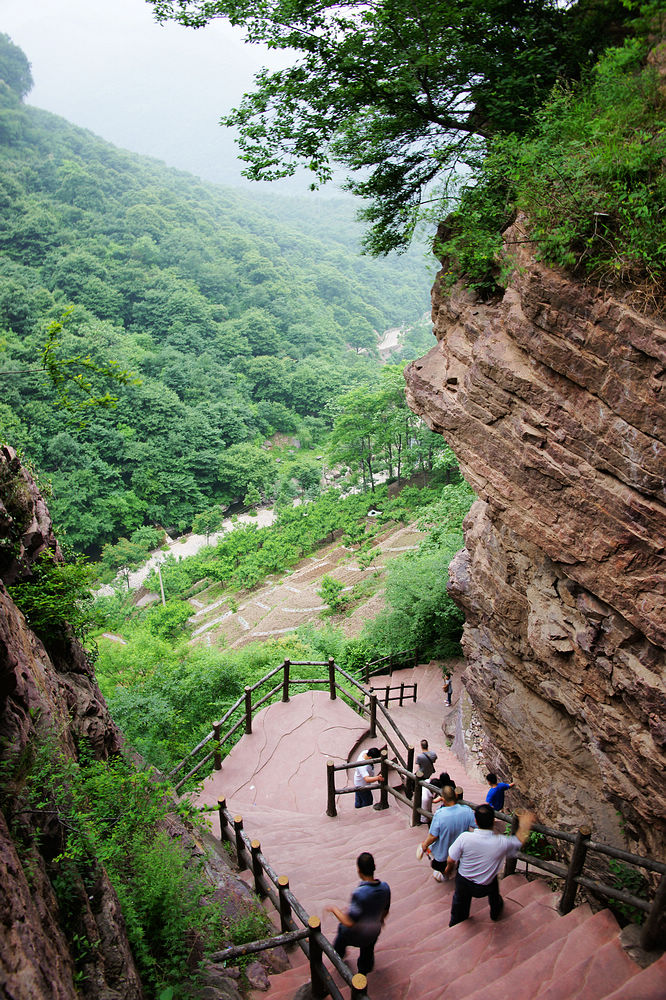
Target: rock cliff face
pixel 61 939
pixel 40 695
pixel 554 400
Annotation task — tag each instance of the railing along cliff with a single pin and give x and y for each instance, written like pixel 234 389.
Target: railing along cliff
pixel 209 750
pixel 581 844
pixel 380 720
pixel 309 936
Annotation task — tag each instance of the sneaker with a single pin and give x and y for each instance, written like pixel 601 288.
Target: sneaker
pixel 438 876
pixel 419 853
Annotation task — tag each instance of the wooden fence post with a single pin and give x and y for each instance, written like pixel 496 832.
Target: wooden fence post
pixel 248 709
pixel 285 905
pixel 576 862
pixel 652 932
pixel 386 696
pixel 217 756
pixel 255 848
pixel 285 680
pixel 409 782
pixel 316 965
pixel 510 863
pixel 373 714
pixel 416 802
pixel 359 987
pixel 330 789
pixel 221 806
pixel 415 686
pixel 383 785
pixel 402 692
pixel 240 846
pixel 331 678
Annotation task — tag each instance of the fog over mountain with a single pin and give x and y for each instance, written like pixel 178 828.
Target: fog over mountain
pixel 154 89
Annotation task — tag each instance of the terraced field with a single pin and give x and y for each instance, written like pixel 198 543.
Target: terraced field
pixel 285 602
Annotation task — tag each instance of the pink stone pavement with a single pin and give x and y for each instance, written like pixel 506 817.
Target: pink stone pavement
pixel 275 778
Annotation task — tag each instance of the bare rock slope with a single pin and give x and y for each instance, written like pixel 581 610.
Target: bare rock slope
pixel 554 401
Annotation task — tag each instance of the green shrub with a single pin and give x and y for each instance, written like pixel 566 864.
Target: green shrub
pixel 332 592
pixel 590 179
pixel 105 813
pixel 631 880
pixel 55 596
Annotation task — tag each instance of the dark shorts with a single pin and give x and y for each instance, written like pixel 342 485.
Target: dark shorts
pixel 363 798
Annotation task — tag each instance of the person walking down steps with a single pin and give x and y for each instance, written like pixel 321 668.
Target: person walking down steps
pixel 446 826
pixel 448 688
pixel 361 925
pixel 496 791
pixel 479 855
pixel 425 761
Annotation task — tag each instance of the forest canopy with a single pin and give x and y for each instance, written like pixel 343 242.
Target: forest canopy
pixel 402 95
pixel 238 316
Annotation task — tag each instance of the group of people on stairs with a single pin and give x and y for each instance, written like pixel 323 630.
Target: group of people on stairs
pixel 460 841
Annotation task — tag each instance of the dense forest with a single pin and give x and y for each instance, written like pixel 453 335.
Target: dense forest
pixel 225 319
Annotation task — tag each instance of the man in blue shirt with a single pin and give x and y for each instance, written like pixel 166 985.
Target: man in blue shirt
pixel 447 824
pixel 361 925
pixel 495 796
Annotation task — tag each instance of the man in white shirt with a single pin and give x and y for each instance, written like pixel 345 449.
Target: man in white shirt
pixel 364 775
pixel 479 855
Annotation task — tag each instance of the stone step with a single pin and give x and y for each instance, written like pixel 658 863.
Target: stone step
pixel 648 984
pixel 602 970
pixel 520 944
pixel 276 780
pixel 546 971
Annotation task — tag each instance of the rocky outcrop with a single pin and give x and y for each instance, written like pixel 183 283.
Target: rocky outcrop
pixel 61 938
pixel 56 697
pixel 554 400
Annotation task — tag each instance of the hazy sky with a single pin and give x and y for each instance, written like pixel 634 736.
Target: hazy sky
pixel 155 89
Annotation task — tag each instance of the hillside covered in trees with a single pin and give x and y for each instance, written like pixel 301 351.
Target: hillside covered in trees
pixel 235 316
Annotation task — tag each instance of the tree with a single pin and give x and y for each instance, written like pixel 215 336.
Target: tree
pixel 14 67
pixel 332 592
pixel 73 378
pixel 396 91
pixel 355 432
pixel 207 522
pixel 243 466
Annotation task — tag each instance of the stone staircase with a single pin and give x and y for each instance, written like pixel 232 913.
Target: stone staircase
pixel 275 778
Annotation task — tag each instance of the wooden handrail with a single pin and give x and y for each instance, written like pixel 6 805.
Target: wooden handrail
pixel 572 874
pixel 309 937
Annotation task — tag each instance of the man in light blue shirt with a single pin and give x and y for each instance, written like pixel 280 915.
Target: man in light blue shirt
pixel 447 824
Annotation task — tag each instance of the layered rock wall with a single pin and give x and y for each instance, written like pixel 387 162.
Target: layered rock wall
pixel 554 400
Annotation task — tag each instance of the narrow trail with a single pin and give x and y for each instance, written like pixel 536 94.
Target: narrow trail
pixel 275 779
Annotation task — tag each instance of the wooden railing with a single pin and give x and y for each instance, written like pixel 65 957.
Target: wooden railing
pixel 397 692
pixel 308 935
pixel 652 930
pixel 413 783
pixel 210 750
pixel 389 663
